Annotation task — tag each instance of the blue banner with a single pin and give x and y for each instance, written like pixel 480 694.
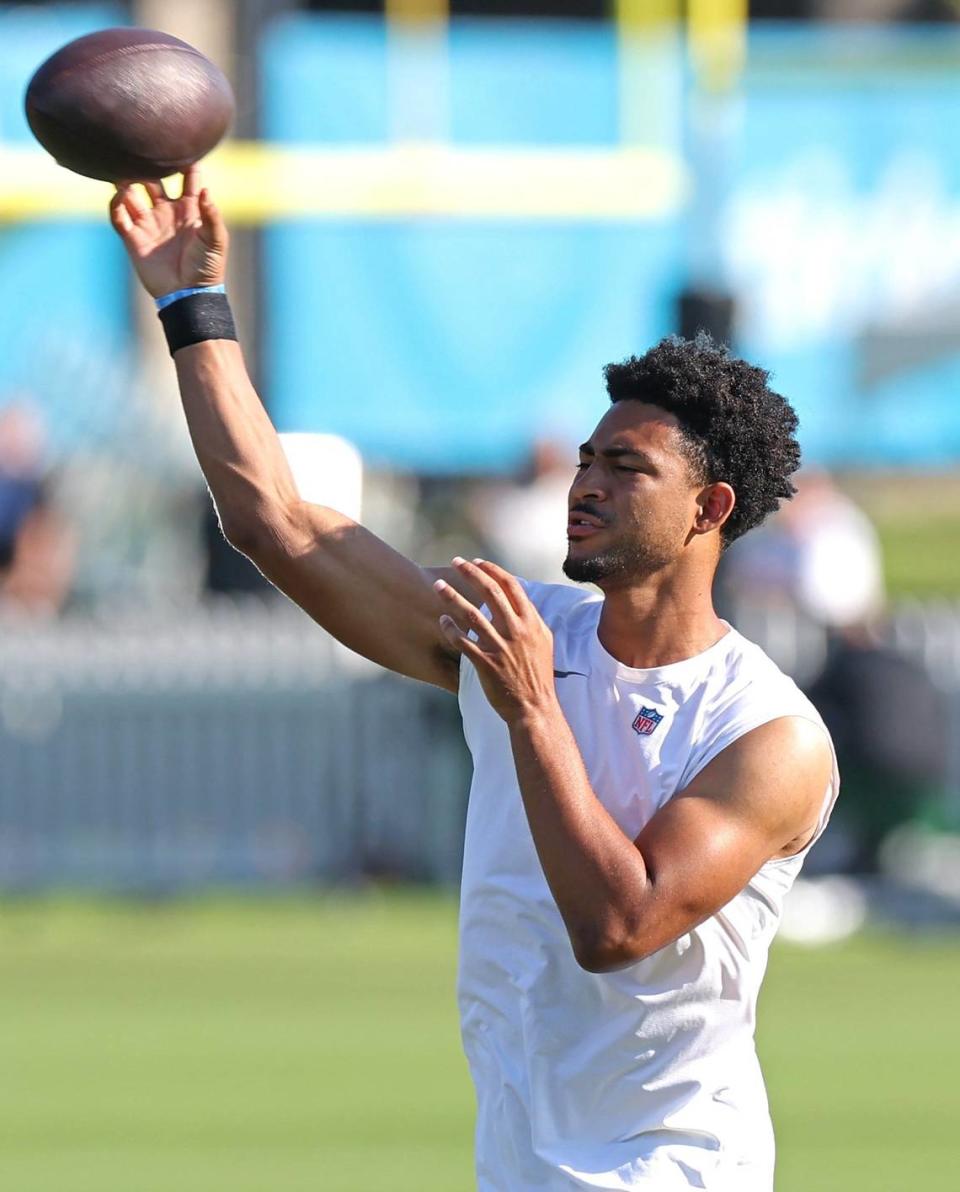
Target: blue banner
pixel 444 345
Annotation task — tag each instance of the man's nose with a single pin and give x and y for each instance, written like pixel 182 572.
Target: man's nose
pixel 588 485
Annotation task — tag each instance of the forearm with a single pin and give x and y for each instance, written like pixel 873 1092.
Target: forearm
pixel 179 249
pixel 236 444
pixel 596 874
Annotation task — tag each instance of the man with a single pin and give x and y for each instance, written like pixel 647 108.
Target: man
pixel 646 782
pixel 36 544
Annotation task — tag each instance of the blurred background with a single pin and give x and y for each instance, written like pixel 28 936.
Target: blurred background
pixel 229 849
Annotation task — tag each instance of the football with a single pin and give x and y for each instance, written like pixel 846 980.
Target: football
pixel 128 104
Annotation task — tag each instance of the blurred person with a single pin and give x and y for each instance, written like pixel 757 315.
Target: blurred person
pixel 894 760
pixel 820 554
pixel 36 545
pixel 889 724
pixel 523 520
pixel 646 784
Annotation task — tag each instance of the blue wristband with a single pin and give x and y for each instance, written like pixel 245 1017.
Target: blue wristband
pixel 169 299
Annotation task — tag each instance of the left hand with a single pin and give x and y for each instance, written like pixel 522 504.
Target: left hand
pixel 513 653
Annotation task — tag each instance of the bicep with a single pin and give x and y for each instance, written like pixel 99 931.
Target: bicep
pixel 697 858
pixel 367 595
pixel 744 809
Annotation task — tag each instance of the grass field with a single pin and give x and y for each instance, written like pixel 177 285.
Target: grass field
pixel 292 1045
pixel 916 517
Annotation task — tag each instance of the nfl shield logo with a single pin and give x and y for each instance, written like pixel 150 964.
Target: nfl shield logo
pixel 647 720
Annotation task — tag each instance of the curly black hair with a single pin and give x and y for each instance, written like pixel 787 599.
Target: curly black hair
pixel 735 428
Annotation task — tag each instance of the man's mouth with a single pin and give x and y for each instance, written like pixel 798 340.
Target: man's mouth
pixel 582 525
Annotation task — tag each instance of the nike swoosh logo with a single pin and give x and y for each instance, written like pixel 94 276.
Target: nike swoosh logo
pixel 566 674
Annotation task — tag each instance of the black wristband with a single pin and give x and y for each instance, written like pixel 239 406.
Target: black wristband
pixel 195 318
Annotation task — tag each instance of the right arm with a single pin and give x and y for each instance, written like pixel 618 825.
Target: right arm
pixel 368 596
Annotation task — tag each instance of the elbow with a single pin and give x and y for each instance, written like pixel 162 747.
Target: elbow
pixel 597 951
pixel 608 960
pixel 242 536
pixel 258 534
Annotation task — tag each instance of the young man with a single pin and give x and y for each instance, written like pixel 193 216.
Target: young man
pixel 646 781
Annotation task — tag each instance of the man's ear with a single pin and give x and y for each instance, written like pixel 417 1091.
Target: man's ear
pixel 714 505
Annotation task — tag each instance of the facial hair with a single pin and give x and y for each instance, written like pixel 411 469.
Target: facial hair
pixel 634 557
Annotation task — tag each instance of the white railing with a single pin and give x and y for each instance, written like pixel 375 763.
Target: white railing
pixel 236 743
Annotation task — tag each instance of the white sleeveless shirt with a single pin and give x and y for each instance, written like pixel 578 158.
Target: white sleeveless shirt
pixel 646 1077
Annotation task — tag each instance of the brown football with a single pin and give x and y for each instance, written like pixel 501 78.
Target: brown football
pixel 128 104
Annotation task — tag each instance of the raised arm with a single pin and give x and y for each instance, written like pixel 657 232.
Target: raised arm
pixel 371 598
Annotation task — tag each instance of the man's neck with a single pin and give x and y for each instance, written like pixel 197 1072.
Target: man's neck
pixel 659 620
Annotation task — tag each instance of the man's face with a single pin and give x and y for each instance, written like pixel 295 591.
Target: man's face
pixel 634 498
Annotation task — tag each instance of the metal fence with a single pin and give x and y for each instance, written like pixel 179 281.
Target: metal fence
pixel 928 632
pixel 234 744
pixel 238 744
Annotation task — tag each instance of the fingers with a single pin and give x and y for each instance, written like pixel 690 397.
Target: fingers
pixel 458 639
pixel 213 228
pixel 126 212
pixel 508 584
pixel 493 594
pixel 157 192
pixel 502 591
pixel 465 615
pixel 132 199
pixel 191 182
pixel 119 215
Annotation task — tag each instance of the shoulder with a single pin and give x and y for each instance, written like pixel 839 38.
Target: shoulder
pixel 747 688
pixel 779 775
pixel 745 691
pixel 763 751
pixel 791 744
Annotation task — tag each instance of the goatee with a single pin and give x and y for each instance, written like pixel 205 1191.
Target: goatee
pixel 609 564
pixel 626 561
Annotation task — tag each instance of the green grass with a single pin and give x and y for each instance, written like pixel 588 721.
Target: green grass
pixel 861 1052
pixel 917 519
pixel 921 557
pixel 292 1045
pixel 278 1047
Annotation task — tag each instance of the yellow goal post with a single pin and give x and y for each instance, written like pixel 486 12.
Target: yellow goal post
pixel 259 182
